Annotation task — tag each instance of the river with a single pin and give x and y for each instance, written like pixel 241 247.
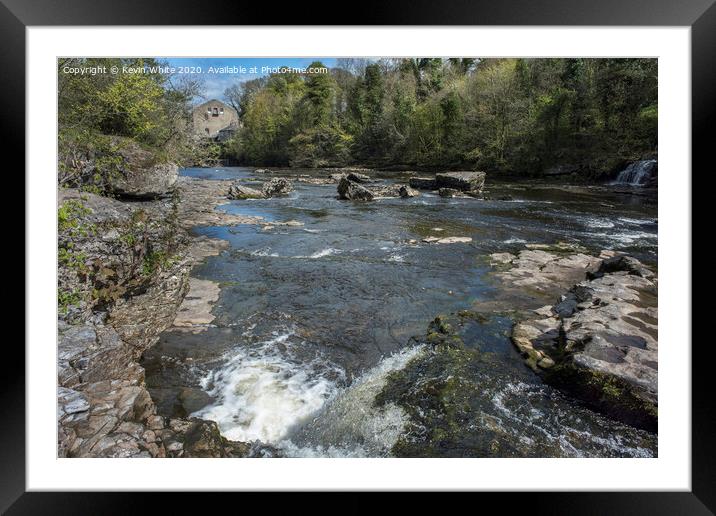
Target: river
pixel 313 320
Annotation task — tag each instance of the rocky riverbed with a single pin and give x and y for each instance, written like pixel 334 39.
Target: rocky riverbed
pixel 297 324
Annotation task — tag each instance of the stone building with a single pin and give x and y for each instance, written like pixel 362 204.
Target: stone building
pixel 214 119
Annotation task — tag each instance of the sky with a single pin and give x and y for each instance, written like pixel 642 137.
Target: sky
pixel 216 83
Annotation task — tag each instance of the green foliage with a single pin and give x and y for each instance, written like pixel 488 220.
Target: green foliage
pixel 98 112
pixel 155 261
pixel 69 219
pixel 502 115
pixel 67 299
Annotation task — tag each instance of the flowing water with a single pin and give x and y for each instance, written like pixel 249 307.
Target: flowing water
pixel 637 173
pixel 314 320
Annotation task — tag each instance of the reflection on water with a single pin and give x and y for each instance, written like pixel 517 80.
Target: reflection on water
pixel 306 312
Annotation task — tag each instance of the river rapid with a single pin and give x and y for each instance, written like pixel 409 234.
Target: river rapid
pixel 315 321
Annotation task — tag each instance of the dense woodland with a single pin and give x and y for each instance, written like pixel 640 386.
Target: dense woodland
pixel 513 116
pixel 510 115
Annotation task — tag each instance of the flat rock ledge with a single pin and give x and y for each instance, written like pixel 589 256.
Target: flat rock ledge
pixel 452 184
pixel 198 200
pixel 194 313
pixel 598 341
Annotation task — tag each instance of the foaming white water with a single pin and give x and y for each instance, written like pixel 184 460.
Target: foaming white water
pixel 351 425
pixel 261 392
pixel 639 222
pixel 264 252
pixel 599 223
pixel 626 237
pixel 553 428
pixel 324 252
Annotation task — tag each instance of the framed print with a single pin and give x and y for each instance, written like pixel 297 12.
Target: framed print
pixel 420 252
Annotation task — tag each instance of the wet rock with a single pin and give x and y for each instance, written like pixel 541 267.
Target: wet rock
pixel 448 192
pixel 356 174
pixel 262 171
pixel 358 177
pixel 387 191
pixel 462 181
pixel 623 263
pixel 277 187
pixel 351 190
pixel 407 191
pixel 423 183
pixel 238 191
pixel 200 438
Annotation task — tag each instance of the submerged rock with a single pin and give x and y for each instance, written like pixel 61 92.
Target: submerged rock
pixel 461 401
pixel 239 192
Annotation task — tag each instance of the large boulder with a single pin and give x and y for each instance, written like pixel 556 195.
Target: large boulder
pixel 423 183
pixel 359 178
pixel 278 186
pixel 463 181
pixel 240 192
pixel 351 190
pixel 140 173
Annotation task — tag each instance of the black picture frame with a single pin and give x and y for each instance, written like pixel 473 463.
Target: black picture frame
pixel 700 15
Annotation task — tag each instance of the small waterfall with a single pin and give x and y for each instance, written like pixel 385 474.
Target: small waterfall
pixel 637 173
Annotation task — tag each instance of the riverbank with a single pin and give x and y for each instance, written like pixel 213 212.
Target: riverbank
pixel 125 278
